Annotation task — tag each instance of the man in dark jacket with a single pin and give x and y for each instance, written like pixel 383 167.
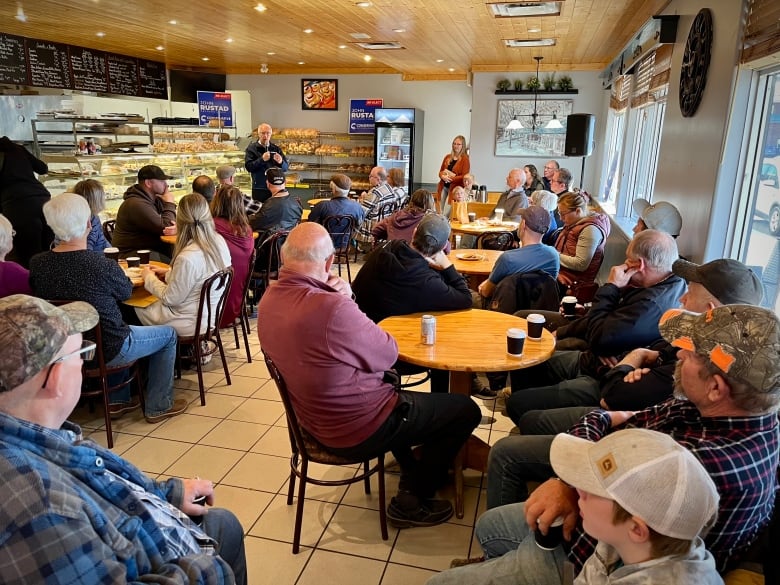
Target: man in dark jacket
pixel 261 156
pixel 148 208
pixel 399 278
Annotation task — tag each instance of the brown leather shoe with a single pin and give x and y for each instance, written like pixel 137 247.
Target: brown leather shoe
pixel 179 406
pixel 119 409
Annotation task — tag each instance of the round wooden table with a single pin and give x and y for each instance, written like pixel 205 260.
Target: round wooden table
pixel 466 341
pixel 477 269
pixel 313 202
pixel 481 227
pixel 141 297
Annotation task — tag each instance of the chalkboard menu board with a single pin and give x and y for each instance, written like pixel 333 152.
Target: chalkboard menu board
pixel 41 63
pixel 47 64
pixel 88 68
pixel 122 75
pixel 152 79
pixel 13 65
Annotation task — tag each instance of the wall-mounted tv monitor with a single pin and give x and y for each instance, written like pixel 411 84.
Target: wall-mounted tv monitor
pixel 185 85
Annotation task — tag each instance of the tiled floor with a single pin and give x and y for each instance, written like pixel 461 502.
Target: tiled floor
pixel 239 440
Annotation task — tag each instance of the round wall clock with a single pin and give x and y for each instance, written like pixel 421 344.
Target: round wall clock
pixel 696 62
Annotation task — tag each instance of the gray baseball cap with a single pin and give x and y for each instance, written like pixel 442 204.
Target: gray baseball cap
pixel 433 231
pixel 32 331
pixel 729 281
pixel 661 216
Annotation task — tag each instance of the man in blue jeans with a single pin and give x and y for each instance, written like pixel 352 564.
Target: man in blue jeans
pixel 71 272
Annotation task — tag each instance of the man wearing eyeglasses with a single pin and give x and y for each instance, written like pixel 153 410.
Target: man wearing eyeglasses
pixel 74 511
pixel 549 168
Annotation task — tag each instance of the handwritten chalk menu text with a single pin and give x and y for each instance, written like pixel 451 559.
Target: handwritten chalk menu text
pixel 88 68
pixel 47 63
pixel 13 65
pixel 122 75
pixel 152 79
pixel 40 63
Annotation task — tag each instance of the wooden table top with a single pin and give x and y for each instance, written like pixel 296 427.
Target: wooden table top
pixel 313 202
pixel 481 266
pixel 137 280
pixel 478 227
pixel 468 341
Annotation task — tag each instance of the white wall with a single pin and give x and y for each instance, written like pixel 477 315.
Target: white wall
pixel 691 153
pixel 276 99
pixel 492 170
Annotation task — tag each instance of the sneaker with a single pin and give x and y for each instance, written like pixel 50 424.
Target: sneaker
pixel 463 562
pixel 427 513
pixel 179 406
pixel 206 352
pixel 119 409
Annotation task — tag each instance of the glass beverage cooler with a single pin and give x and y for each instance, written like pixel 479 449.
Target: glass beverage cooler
pixel 398 141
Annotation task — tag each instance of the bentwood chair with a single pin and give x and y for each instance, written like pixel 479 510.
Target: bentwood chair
pixel 341 228
pixel 267 263
pixel 206 339
pixel 495 241
pixel 305 449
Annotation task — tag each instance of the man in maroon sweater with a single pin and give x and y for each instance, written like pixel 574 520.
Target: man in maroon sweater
pixel 318 338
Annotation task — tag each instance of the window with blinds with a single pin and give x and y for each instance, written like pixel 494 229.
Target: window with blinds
pixel 643 73
pixel 762 33
pixel 621 91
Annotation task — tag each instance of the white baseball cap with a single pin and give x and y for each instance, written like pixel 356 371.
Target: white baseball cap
pixel 661 216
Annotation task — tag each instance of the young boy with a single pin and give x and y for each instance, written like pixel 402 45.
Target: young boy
pixel 646 499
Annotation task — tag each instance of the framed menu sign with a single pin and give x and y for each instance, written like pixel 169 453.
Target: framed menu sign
pixel 47 63
pixel 88 68
pixel 122 74
pixel 13 65
pixel 152 79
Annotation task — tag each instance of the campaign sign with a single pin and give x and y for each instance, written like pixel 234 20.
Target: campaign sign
pixel 215 106
pixel 361 115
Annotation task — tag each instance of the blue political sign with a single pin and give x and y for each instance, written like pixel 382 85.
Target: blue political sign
pixel 214 105
pixel 361 115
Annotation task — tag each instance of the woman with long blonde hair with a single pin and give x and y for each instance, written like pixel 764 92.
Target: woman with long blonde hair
pixel 199 253
pixel 454 165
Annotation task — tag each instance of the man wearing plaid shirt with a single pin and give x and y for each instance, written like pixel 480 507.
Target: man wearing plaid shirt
pixel 73 511
pixel 727 392
pixel 226 175
pixel 373 201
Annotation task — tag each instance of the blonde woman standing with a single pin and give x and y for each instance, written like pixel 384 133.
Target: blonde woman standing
pixel 199 252
pixel 453 167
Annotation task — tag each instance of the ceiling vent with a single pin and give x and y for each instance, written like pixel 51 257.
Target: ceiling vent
pixel 380 46
pixel 520 43
pixel 525 9
pixel 360 36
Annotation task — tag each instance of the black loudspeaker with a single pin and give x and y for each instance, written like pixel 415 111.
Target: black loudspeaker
pixel 579 134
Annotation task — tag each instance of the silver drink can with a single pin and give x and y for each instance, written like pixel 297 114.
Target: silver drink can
pixel 428 330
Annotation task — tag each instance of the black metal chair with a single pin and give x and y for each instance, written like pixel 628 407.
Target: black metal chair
pixel 341 228
pixel 207 334
pixel 243 317
pixel 495 241
pixel 306 448
pixel 267 263
pixel 108 230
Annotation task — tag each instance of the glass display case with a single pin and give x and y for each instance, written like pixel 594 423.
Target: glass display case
pixel 90 135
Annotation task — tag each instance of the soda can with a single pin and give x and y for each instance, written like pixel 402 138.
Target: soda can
pixel 428 329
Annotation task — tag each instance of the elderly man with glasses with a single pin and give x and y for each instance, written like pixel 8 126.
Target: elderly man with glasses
pixel 549 168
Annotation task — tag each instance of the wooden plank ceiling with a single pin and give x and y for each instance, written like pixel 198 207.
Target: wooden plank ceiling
pixel 442 39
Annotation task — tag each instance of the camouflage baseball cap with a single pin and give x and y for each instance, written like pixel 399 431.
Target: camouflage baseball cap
pixel 741 340
pixel 32 331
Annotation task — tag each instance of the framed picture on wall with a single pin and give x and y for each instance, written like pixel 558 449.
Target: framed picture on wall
pixel 545 140
pixel 319 94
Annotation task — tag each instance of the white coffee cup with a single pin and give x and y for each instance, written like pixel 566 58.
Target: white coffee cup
pixel 499 215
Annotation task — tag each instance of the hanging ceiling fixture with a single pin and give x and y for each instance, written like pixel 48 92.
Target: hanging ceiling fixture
pixel 553 124
pixel 536 94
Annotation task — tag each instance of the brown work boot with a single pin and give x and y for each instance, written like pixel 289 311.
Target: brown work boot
pixel 179 406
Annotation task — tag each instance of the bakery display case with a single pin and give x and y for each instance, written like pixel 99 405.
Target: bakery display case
pixel 314 156
pixel 86 135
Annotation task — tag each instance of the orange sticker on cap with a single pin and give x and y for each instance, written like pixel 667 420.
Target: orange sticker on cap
pixel 721 358
pixel 607 465
pixel 684 342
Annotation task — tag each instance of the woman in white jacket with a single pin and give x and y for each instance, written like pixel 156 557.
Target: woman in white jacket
pixel 199 252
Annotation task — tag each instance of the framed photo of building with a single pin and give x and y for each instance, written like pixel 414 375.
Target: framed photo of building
pixel 537 137
pixel 319 94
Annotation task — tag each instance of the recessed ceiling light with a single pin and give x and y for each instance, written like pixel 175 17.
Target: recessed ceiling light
pixel 534 30
pixel 529 42
pixel 173 22
pixel 308 31
pixel 301 62
pixel 363 4
pixel 228 40
pixel 399 30
pixel 270 53
pixel 204 58
pixel 260 7
pixel 342 46
pixel 159 47
pixel 451 69
pixel 440 60
pixel 100 34
pixel 366 58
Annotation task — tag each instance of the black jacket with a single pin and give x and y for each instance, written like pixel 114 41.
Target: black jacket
pixel 654 387
pixel 397 280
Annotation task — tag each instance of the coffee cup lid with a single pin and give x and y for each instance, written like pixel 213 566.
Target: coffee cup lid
pixel 110 250
pixel 535 318
pixel 515 332
pixel 569 299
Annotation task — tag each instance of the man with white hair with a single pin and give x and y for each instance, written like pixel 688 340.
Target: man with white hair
pixel 261 156
pixel 514 198
pixel 338 204
pixel 547 173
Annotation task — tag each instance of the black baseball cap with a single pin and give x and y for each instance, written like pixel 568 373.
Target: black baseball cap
pixel 275 176
pixel 152 172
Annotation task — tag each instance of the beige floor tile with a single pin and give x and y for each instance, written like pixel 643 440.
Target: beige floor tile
pixel 241 386
pixel 329 473
pixel 132 423
pixel 189 379
pixel 234 434
pixel 154 455
pixel 88 420
pixel 122 441
pixel 246 504
pixel 208 462
pixel 268 391
pixel 256 369
pixel 328 568
pixel 263 412
pixel 356 494
pixel 275 442
pixel 471 500
pixel 185 427
pixel 278 520
pixel 431 548
pixel 260 472
pixel 356 531
pixel 401 575
pixel 217 405
pixel 272 563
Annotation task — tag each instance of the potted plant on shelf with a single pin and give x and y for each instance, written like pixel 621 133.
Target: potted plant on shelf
pixel 518 84
pixel 549 82
pixel 533 83
pixel 565 83
pixel 503 85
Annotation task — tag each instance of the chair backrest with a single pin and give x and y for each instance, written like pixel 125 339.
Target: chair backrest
pixel 340 228
pixel 248 281
pixel 210 307
pixel 535 290
pixel 296 438
pixel 108 229
pixel 386 209
pixel 495 240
